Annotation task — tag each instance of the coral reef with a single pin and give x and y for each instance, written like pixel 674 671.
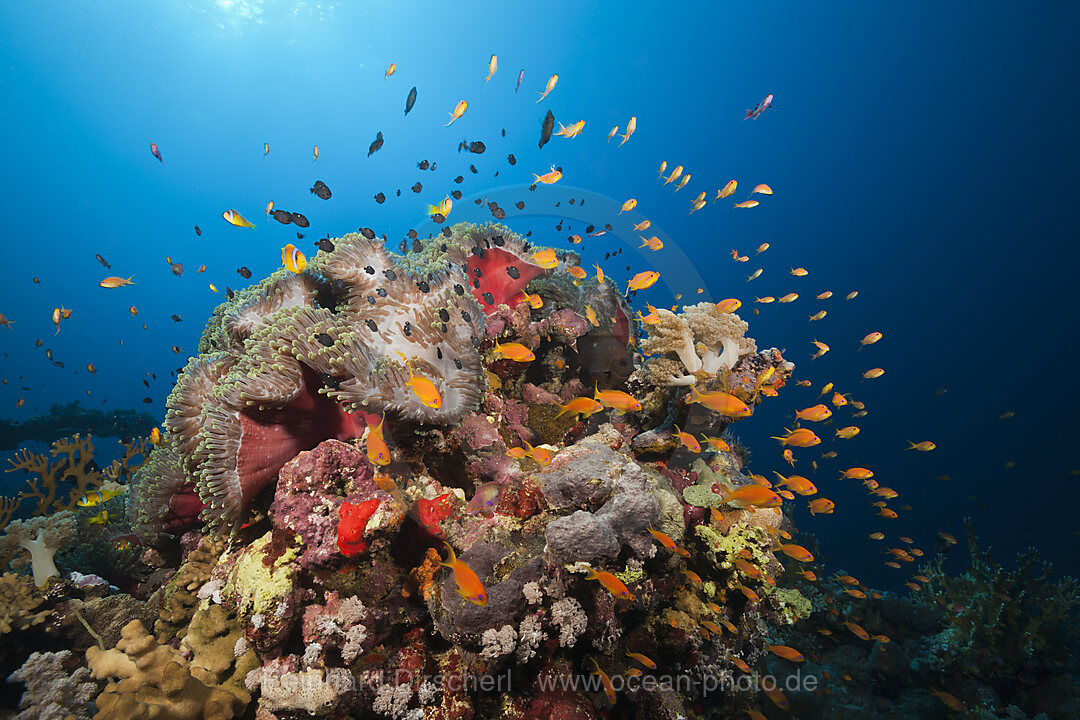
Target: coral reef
pixel 72 419
pixel 57 687
pixel 147 680
pixel 41 537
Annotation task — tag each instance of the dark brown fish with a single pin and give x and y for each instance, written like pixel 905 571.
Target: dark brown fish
pixel 283 216
pixel 546 128
pixel 456 194
pixel 300 220
pixel 299 236
pixel 411 100
pixel 244 272
pixel 375 144
pixel 423 164
pixel 511 159
pixel 176 318
pixel 412 235
pixel 417 188
pixel 198 231
pixel 604 360
pixel 473 168
pixel 380 198
pixel 326 245
pixel 103 261
pixel 459 179
pixel 147 400
pixel 520 204
pixel 368 233
pixel 321 190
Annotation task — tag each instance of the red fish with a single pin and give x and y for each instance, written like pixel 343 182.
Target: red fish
pixel 759 108
pixel 157 153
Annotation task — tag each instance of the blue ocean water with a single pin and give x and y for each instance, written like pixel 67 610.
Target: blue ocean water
pixel 919 153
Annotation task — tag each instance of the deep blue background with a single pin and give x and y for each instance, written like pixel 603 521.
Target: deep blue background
pixel 921 153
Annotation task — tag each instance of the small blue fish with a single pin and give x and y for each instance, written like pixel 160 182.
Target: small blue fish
pixel 486 498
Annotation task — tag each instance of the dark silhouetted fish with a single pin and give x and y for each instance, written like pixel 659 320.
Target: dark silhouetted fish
pixel 198 231
pixel 417 188
pixel 375 144
pixel 244 272
pixel 604 360
pixel 283 216
pixel 103 261
pixel 511 159
pixel 321 190
pixel 410 101
pixel 380 198
pixel 546 128
pixel 476 147
pixel 326 245
pixel 300 220
pixel 423 164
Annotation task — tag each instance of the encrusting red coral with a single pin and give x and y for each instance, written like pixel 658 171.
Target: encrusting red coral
pixel 353 520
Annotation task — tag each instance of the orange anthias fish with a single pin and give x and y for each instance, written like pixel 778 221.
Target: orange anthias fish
pixel 752 494
pixel 628 206
pixel 459 110
pixel 617 400
pixel 550 86
pixel 716 443
pixel 643 280
pixel 377 450
pixel 493 65
pixel 720 402
pixel 747 204
pixel 630 128
pixel 788 653
pixel 873 373
pixel 870 339
pixel 858 473
pixel 549 178
pixel 115 282
pixel 729 306
pixel 799 437
pixel 423 388
pixel 612 584
pixel 688 440
pixel 727 190
pixel 797 483
pixel 391 70
pixel 514 351
pixel 643 659
pixel 846 433
pixel 468 582
pixel 580 406
pixel 924 446
pixel 545 258
pixel 762 189
pixel 797 552
pixel 857 630
pixel 534 300
pixel 822 506
pixel 572 131
pixel 815 413
pixel 609 688
pixel 663 538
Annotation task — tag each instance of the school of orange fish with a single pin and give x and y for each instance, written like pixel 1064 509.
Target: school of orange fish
pixel 764 494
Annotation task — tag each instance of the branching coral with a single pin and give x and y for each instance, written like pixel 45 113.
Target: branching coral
pixel 61 482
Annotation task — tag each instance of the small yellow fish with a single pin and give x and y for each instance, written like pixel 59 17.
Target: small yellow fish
pixel 755 275
pixel 266 149
pixel 747 204
pixel 643 280
pixel 924 446
pixel 675 174
pixel 155 436
pixel 870 339
pixel 534 300
pixel 846 433
pixel 514 351
pixel 549 178
pixel 590 315
pixel 612 132
pixel 628 206
pixel 654 243
pixel 825 295
pixel 851 295
pixel 799 272
pixel 391 70
pixel 546 258
pixel 234 218
pixel 571 131
pixel 727 190
pixel 549 87
pixel 577 271
pixel 630 128
pixel 682 183
pixel 818 315
pixel 493 65
pixel 315 152
pixel 459 110
pixel 873 373
pixel 762 189
pixel 115 282
pixel 269 207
